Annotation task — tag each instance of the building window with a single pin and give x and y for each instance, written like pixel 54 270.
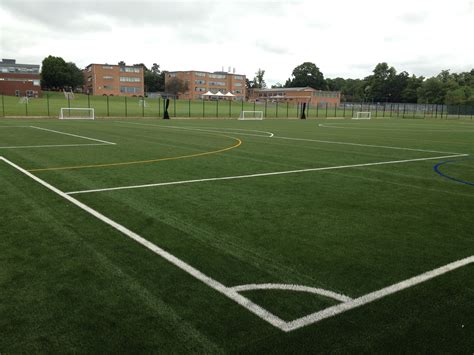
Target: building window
pixel 17 92
pixel 217 83
pixel 200 82
pixel 237 84
pixel 172 75
pixel 217 76
pixel 108 77
pixel 107 67
pixel 36 82
pixel 130 90
pixel 108 87
pixel 200 89
pixel 237 91
pixel 200 74
pixel 238 77
pixel 129 70
pixel 130 79
pixel 89 78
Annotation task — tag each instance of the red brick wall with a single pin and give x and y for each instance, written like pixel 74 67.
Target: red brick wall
pixel 20 82
pixel 104 79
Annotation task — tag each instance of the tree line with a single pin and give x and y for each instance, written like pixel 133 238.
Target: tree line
pixel 385 84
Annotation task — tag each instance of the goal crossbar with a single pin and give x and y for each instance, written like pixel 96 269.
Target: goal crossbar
pixel 251 115
pixel 77 113
pixel 366 115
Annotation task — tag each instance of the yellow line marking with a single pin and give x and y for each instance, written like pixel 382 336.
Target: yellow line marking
pixel 239 142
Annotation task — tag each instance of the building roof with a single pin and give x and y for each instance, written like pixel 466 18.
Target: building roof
pixel 202 71
pixel 11 66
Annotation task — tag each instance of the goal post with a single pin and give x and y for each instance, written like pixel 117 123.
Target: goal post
pixel 362 116
pixel 251 115
pixel 76 113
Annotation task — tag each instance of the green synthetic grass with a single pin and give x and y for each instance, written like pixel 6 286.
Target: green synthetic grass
pixel 71 283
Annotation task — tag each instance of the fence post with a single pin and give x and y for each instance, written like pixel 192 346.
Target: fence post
pixel 266 103
pixel 335 109
pixel 203 110
pixel 403 115
pixel 26 105
pixel 326 110
pixel 352 110
pixel 242 105
pixel 344 110
pixel 189 108
pixel 88 100
pixel 47 104
pixel 459 111
pixel 276 110
pixel 159 106
pixel 376 110
pixel 217 108
pixel 436 111
pixel 254 105
pixel 287 109
pixel 230 108
pixel 68 103
pixel 126 107
pixel 174 106
pixel 297 110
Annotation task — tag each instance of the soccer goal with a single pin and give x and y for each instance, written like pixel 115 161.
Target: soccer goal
pixel 251 115
pixel 77 113
pixel 362 116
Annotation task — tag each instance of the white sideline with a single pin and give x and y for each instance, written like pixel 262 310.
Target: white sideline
pixel 261 174
pixel 373 296
pixel 364 145
pixel 52 146
pixel 72 135
pixel 297 288
pixel 208 129
pixel 232 294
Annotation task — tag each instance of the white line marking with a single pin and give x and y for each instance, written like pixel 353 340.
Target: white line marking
pixel 15 126
pixel 297 288
pixel 230 293
pixel 213 129
pixel 373 296
pixel 364 145
pixel 52 146
pixel 395 129
pixel 261 174
pixel 72 135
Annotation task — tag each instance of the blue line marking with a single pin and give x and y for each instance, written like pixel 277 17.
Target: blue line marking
pixel 437 171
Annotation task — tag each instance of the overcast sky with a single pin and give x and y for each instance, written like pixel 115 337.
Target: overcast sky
pixel 345 38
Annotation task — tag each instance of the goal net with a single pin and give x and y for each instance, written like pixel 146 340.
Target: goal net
pixel 76 113
pixel 362 116
pixel 251 115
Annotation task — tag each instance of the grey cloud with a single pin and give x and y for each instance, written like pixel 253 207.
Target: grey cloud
pixel 271 47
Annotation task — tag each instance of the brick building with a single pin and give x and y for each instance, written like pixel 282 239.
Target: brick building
pixel 200 82
pixel 295 95
pixel 113 80
pixel 19 79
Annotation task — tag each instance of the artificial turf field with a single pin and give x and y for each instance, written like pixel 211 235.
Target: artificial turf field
pixel 144 235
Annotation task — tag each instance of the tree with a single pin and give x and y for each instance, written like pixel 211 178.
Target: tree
pixel 258 82
pixel 122 63
pixel 75 76
pixel 176 86
pixel 56 74
pixel 432 91
pixel 381 84
pixel 307 74
pixel 277 86
pixel 410 92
